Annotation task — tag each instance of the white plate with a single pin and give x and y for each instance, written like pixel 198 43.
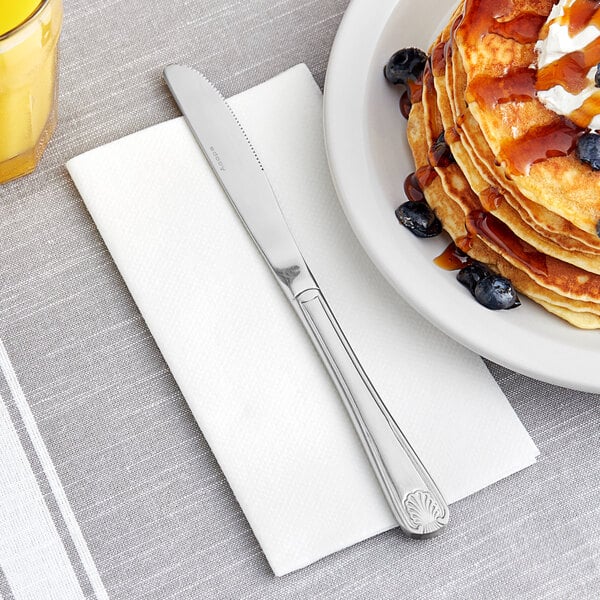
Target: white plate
pixel 369 159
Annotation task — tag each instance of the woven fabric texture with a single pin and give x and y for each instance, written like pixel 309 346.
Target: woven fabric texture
pixel 156 516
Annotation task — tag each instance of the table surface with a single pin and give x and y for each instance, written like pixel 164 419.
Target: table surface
pixel 158 516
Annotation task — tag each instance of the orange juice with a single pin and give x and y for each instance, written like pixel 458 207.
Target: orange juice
pixel 29 31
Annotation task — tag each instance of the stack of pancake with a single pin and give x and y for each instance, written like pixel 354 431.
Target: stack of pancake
pixel 499 169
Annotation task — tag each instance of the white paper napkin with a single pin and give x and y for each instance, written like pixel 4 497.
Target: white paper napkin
pixel 241 358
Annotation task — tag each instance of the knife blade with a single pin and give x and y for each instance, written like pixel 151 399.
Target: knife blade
pixel 414 498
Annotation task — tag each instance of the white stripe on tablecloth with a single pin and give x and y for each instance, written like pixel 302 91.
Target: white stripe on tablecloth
pixel 27 475
pixel 33 557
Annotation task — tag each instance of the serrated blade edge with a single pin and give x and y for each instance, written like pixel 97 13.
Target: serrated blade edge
pixel 234 161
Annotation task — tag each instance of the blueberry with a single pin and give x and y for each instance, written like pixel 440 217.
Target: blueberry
pixel 496 293
pixel 597 77
pixel 405 65
pixel 588 150
pixel 419 218
pixel 472 274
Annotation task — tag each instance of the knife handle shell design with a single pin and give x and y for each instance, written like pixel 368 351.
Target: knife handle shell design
pixel 415 500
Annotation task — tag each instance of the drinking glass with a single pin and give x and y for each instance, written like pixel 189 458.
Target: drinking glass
pixel 29 32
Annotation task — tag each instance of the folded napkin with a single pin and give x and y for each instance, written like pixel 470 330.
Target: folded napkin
pixel 240 356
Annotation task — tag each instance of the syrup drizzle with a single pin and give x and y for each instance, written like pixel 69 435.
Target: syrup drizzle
pixel 516 86
pixel 425 176
pixel 491 199
pixel 438 59
pixel 489 227
pixel 524 29
pixel 482 17
pixel 570 70
pixel 412 189
pixel 580 15
pixel 415 90
pixel 405 104
pixel 558 138
pixel 587 111
pixel 416 182
pixel 464 243
pixel 452 135
pixel 500 17
pixel 440 154
pixel 452 258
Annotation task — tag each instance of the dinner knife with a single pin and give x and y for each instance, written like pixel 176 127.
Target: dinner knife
pixel 414 498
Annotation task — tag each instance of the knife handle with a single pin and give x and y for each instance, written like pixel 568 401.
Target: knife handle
pixel 415 500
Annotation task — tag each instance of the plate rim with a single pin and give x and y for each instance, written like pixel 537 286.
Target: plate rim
pixel 347 56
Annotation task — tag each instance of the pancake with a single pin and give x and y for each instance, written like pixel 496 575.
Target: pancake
pixel 547 223
pixel 496 198
pixel 520 131
pixel 580 314
pixel 504 205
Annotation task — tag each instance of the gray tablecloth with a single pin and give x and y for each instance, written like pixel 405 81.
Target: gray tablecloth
pixel 152 506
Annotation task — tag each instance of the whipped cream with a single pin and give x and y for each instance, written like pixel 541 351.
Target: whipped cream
pixel 583 107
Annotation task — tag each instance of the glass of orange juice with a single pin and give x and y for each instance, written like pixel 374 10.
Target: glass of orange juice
pixel 29 32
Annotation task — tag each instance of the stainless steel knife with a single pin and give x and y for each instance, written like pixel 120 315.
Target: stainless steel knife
pixel 414 498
